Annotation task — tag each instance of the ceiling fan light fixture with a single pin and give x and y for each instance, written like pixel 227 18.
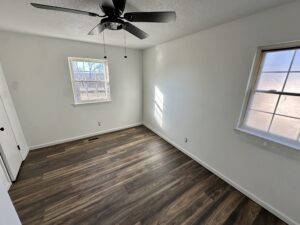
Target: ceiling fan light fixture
pixel 112 24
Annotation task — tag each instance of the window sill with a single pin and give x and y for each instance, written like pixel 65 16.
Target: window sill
pixel 270 139
pixel 92 102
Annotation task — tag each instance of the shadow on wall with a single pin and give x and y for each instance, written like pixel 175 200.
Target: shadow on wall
pixel 158 106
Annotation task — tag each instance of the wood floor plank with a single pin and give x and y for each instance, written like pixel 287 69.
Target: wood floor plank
pixel 222 210
pixel 244 214
pixel 202 204
pixel 169 212
pixel 128 177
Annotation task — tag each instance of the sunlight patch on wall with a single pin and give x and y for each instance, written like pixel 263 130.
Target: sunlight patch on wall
pixel 158 106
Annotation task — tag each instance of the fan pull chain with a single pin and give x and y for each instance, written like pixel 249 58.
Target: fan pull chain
pixel 125 48
pixel 104 46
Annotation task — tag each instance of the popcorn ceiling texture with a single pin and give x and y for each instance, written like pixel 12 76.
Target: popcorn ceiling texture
pixel 192 16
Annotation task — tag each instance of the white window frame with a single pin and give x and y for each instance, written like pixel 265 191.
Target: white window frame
pixel 254 75
pixel 107 83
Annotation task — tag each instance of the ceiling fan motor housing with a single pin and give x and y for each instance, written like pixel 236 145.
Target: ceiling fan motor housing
pixel 113 23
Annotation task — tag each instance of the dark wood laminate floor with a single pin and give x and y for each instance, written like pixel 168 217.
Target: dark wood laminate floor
pixel 130 177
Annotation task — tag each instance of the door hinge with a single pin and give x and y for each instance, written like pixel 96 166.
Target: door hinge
pixel 19 147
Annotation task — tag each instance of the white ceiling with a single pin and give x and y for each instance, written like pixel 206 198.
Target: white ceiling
pixel 192 16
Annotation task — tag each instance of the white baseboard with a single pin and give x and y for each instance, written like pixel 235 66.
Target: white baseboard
pixel 34 147
pixel 24 153
pixel 250 195
pixel 8 185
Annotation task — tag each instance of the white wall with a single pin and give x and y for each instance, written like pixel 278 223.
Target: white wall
pixel 36 69
pixel 201 80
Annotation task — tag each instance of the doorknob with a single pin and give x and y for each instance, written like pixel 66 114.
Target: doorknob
pixel 2 129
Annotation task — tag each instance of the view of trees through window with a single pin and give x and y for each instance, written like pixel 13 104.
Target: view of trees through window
pixel 274 106
pixel 90 80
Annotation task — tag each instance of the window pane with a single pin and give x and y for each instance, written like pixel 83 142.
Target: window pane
pixel 79 76
pixel 296 63
pixel 278 61
pixel 92 76
pixel 101 76
pixel 92 90
pixel 86 66
pixel 77 66
pixel 101 86
pixel 289 106
pixel 99 68
pixel 102 90
pixel 88 71
pixel 271 81
pixel 258 120
pixel 87 76
pixel 293 83
pixel 285 127
pixel 81 91
pixel 264 102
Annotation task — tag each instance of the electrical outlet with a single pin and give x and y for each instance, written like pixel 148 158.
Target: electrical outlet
pixel 99 124
pixel 186 140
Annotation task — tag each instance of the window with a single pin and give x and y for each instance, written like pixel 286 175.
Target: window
pixel 272 109
pixel 90 80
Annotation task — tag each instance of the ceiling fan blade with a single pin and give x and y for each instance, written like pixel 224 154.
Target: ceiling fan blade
pixel 135 31
pixel 56 8
pixel 107 7
pixel 119 5
pixel 106 3
pixel 157 17
pixel 97 29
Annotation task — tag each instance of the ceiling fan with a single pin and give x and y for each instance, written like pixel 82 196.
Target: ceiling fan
pixel 113 18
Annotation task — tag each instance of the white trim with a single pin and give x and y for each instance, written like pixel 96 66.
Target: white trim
pixel 34 147
pixel 280 46
pixel 243 190
pixel 251 82
pixel 92 102
pixel 87 59
pixel 24 153
pixel 278 140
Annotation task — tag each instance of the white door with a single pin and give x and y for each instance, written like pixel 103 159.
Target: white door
pixel 9 147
